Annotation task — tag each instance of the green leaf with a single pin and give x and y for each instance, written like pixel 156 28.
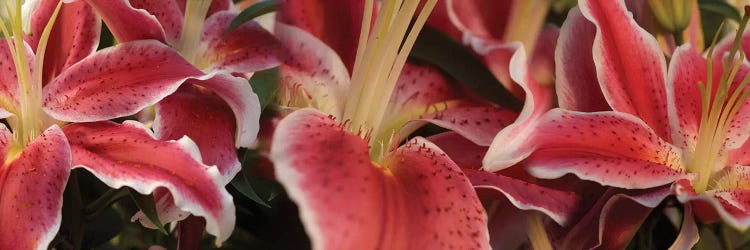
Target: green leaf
pixel 442 51
pixel 147 205
pixel 266 85
pixel 719 7
pixel 257 189
pixel 256 10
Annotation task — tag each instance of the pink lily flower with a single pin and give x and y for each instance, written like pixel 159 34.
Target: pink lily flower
pixel 54 79
pixel 378 195
pixel 629 121
pixel 195 29
pixel 227 108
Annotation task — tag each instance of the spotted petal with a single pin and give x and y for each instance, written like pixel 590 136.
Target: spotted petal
pixel 335 23
pixel 630 65
pixel 313 75
pixel 31 189
pixel 558 205
pixel 74 35
pixel 129 155
pixel 117 81
pixel 616 216
pixel 422 200
pixel 576 84
pixel 206 119
pixel 611 148
pixel 248 48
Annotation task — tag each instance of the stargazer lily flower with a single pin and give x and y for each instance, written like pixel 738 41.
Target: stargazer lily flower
pixel 195 30
pixel 221 109
pixel 648 126
pixel 55 79
pixel 336 162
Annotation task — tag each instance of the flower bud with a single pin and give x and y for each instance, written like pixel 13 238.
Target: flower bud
pixel 672 15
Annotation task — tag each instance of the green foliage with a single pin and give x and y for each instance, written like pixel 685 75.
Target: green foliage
pixel 256 10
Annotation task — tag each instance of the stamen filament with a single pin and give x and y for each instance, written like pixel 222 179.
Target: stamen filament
pixel 718 111
pixel 379 63
pixel 195 15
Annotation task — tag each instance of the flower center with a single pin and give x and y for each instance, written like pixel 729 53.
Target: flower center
pixel 29 113
pixel 720 104
pixel 381 55
pixel 192 27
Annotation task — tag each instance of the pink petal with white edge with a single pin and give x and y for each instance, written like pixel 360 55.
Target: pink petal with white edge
pixel 336 23
pixel 206 119
pixel 538 100
pixel 313 73
pixel 239 96
pixel 74 35
pixel 576 85
pixel 630 65
pixel 479 124
pixel 686 69
pixel 127 23
pixel 169 14
pixel 248 48
pixel 129 155
pixel 616 217
pixel 610 148
pixel 346 201
pixel 116 82
pixel 558 205
pixel 31 190
pixel 730 203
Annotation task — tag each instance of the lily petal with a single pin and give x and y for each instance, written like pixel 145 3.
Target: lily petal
pixel 479 124
pixel 313 72
pixel 630 65
pixel 610 148
pixel 332 22
pixel 558 205
pixel 206 119
pixel 248 48
pixel 465 153
pixel 239 96
pixel 538 101
pixel 576 85
pixel 127 23
pixel 74 35
pixel 480 18
pixel 129 155
pixel 731 204
pixel 419 200
pixel 31 190
pixel 9 88
pixel 116 82
pixel 616 217
pixel 168 13
pixel 688 236
pixel 686 69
